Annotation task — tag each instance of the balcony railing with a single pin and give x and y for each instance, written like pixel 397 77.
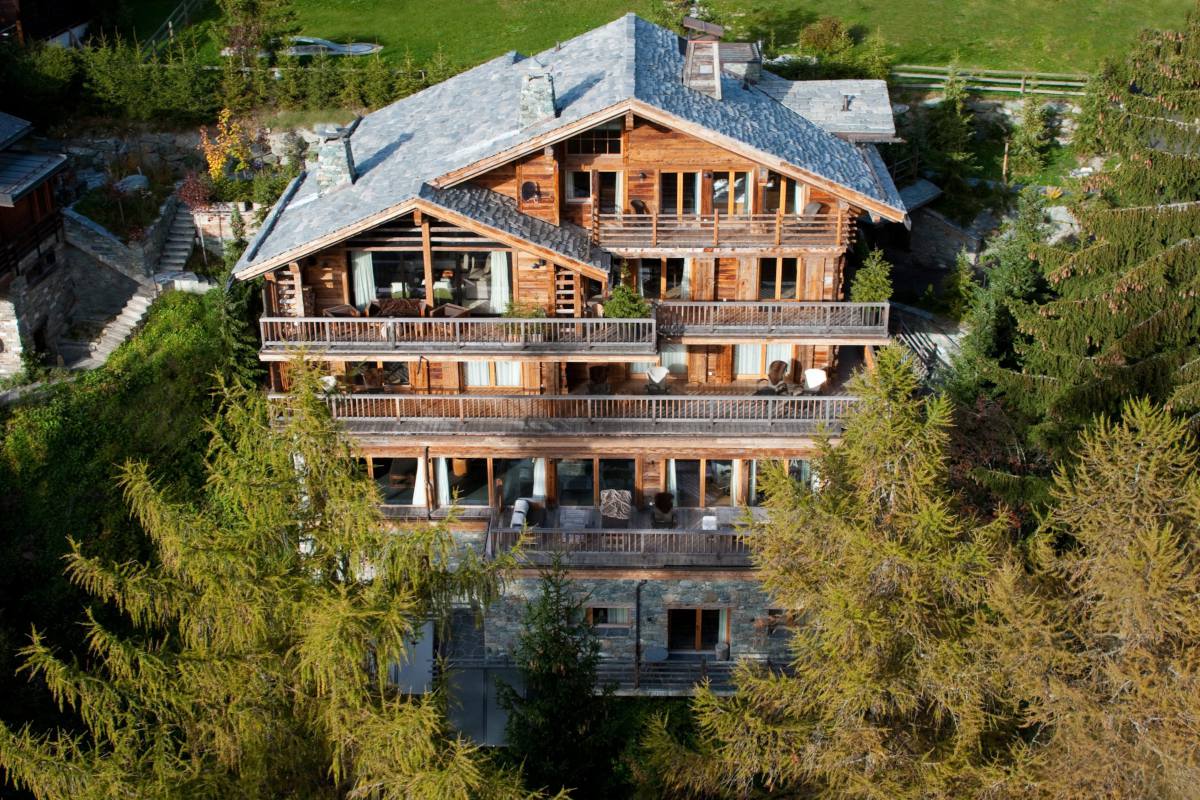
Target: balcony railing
pixel 691 415
pixel 608 547
pixel 419 336
pixel 636 231
pixel 750 319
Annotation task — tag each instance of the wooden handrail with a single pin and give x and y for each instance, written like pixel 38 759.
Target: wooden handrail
pixel 704 230
pixel 764 316
pixel 625 541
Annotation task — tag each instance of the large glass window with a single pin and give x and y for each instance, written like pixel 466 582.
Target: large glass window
pixel 748 360
pixel 683 481
pixel 397 479
pixel 777 278
pixel 515 476
pixel 608 192
pixel 464 479
pixel 768 278
pixel 718 483
pixel 491 373
pixel 788 279
pixel 731 192
pixel 649 277
pixel 617 473
pixel 678 192
pixel 385 275
pixel 481 282
pixel 677 279
pixel 772 192
pixel 674 358
pixel 798 470
pixel 576 482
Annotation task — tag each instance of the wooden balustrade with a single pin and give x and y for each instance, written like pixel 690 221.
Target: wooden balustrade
pixel 617 231
pixel 755 319
pixel 429 336
pixel 625 542
pixel 709 415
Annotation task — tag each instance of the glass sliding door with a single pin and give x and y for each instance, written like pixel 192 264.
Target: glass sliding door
pixel 576 482
pixel 515 476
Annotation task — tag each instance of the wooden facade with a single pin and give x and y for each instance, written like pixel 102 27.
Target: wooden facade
pixel 742 266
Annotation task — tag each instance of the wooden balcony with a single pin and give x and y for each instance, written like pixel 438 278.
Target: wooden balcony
pixel 798 322
pixel 630 232
pixel 461 338
pixel 539 416
pixel 644 548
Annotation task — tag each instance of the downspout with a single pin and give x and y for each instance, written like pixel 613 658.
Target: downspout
pixel 637 633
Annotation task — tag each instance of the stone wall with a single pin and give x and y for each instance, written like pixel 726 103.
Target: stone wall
pixel 214 223
pixel 744 599
pixel 101 292
pixel 34 312
pixel 935 240
pixel 136 260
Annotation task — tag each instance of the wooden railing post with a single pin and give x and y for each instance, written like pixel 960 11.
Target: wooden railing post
pixel 716 227
pixel 654 230
pixel 778 226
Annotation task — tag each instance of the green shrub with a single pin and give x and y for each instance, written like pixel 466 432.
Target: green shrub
pixel 625 303
pixel 873 280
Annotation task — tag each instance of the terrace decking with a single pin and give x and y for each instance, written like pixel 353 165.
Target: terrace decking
pixel 787 321
pixel 408 415
pixel 622 233
pixel 461 338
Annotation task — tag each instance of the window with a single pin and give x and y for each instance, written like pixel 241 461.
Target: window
pixel 602 140
pixel 491 373
pixel 516 478
pixel 798 470
pixel 674 358
pixel 479 281
pixel 617 473
pixel 773 191
pixel 649 271
pixel 730 192
pixel 675 272
pixel 576 482
pixel 755 360
pixel 579 187
pixel 610 621
pixel 397 479
pixel 718 483
pixel 679 192
pixel 777 278
pixel 463 478
pixel 383 275
pixel 608 192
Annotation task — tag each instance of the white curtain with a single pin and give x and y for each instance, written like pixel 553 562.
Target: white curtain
pixel 736 481
pixel 723 626
pixel 752 489
pixel 420 496
pixel 501 291
pixel 508 373
pixel 747 360
pixel 674 358
pixel 685 285
pixel 477 373
pixel 779 352
pixel 364 277
pixel 640 367
pixel 672 484
pixel 698 192
pixel 539 477
pixel 443 482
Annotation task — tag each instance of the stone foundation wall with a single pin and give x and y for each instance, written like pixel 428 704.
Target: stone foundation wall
pixel 744 600
pixel 102 292
pixel 136 260
pixel 35 311
pixel 935 241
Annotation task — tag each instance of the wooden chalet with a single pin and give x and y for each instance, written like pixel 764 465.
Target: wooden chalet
pixel 450 257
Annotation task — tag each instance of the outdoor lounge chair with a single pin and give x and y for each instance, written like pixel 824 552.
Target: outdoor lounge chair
pixel 616 508
pixel 340 310
pixel 815 381
pixel 656 380
pixel 776 380
pixel 663 510
pixel 598 381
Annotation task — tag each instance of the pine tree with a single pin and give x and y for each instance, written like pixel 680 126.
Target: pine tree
pixel 873 280
pixel 1027 150
pixel 1104 635
pixel 892 691
pixel 261 632
pixel 948 133
pixel 379 83
pixel 561 731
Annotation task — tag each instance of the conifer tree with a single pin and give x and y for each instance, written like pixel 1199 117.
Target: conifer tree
pixel 873 280
pixel 1027 151
pixel 1104 635
pixel 559 728
pixel 261 635
pixel 891 691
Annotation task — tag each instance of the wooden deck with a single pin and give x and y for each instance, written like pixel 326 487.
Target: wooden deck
pixel 620 232
pixel 800 322
pixel 408 415
pixel 485 338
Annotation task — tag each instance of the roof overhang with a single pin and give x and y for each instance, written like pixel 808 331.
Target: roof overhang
pixel 21 173
pixel 425 207
pixel 666 119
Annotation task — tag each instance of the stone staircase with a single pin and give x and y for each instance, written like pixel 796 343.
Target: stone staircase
pixel 933 340
pixel 177 247
pixel 77 354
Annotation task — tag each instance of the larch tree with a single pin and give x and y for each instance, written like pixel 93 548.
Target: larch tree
pixel 255 658
pixel 892 691
pixel 1107 646
pixel 873 280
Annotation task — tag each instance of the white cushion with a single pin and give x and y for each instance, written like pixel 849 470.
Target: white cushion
pixel 814 378
pixel 708 523
pixel 658 374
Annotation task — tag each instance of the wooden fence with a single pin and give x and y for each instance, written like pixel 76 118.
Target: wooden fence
pixel 717 230
pixel 180 18
pixel 1059 84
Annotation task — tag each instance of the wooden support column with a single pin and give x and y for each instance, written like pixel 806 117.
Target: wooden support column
pixel 427 256
pixel 869 357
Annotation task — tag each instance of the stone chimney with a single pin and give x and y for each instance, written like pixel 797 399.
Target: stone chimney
pixel 537 98
pixel 335 162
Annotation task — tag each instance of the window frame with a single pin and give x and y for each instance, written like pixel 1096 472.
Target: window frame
pixel 570 185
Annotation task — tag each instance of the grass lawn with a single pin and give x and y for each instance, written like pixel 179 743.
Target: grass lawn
pixel 1037 35
pixel 1043 35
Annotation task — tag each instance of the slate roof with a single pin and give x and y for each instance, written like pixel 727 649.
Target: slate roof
pixel 869 117
pixel 12 128
pixel 473 116
pixel 22 172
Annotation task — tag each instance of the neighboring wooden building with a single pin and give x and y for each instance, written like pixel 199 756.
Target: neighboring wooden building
pixel 34 300
pixel 535 185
